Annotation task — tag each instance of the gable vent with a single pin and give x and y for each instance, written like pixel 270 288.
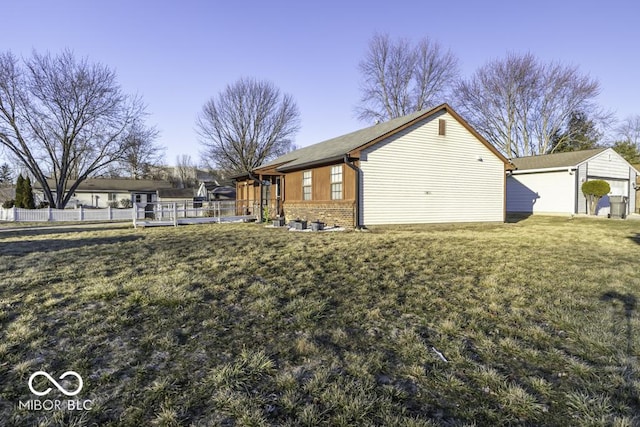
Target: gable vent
pixel 442 127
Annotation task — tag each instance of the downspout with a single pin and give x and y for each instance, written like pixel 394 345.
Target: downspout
pixel 348 161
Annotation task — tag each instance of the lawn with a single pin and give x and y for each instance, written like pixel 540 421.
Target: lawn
pixel 527 323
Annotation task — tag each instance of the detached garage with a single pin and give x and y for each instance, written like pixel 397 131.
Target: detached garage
pixel 551 184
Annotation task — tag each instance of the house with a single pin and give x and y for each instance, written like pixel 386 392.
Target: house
pixel 214 191
pixel 426 167
pixel 101 192
pixel 175 194
pixel 637 167
pixel 551 183
pixel 7 193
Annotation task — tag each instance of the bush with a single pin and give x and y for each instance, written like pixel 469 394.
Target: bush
pixel 7 204
pixel 125 203
pixel 43 205
pixel 19 202
pixel 24 193
pixel 29 201
pixel 113 205
pixel 594 191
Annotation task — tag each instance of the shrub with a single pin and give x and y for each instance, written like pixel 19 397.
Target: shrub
pixel 29 201
pixel 7 204
pixel 594 191
pixel 125 203
pixel 19 202
pixel 113 205
pixel 24 193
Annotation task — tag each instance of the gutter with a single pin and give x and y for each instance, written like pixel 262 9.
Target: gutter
pixel 554 169
pixel 349 162
pixel 314 163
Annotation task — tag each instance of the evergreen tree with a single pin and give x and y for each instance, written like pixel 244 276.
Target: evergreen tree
pixel 6 174
pixel 27 195
pixel 580 133
pixel 19 192
pixel 628 150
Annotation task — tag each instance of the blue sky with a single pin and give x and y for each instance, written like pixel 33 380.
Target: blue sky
pixel 179 54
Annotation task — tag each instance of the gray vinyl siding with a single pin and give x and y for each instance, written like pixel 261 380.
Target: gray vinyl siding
pixel 614 169
pixel 609 164
pixel 582 177
pixel 418 176
pixel 632 192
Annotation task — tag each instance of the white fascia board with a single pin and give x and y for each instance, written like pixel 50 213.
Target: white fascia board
pixel 556 169
pixel 609 150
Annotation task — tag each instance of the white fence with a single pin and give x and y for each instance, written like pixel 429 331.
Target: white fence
pixel 159 211
pixel 173 212
pixel 79 214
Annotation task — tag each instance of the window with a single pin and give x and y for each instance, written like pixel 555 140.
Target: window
pixel 336 182
pixel 306 185
pixel 113 197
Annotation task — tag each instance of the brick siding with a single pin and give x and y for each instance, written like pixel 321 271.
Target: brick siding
pixel 341 214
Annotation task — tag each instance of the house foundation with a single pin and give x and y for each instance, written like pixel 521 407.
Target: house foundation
pixel 330 213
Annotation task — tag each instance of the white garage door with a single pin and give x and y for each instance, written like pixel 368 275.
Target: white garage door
pixel 618 188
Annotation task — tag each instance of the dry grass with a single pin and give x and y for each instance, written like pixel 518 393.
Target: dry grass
pixel 531 323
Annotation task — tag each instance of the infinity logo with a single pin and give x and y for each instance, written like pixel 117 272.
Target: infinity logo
pixel 55 383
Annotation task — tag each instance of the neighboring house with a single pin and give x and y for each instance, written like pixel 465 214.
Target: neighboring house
pixel 7 192
pixel 637 188
pixel 176 194
pixel 427 167
pixel 551 183
pixel 100 192
pixel 214 191
pixel 214 186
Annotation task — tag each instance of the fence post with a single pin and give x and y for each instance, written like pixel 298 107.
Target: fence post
pixel 81 213
pixel 14 212
pixel 109 215
pixel 50 214
pixel 175 214
pixel 135 215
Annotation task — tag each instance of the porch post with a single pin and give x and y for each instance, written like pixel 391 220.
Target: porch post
pixel 260 216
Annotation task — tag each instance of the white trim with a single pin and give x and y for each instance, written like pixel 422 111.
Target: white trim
pixel 555 169
pixel 571 167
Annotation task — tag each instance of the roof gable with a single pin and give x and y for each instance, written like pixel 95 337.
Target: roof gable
pixel 336 148
pixel 555 160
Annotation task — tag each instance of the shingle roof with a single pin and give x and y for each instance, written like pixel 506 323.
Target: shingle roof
pixel 112 184
pixel 176 193
pixel 556 160
pixel 336 148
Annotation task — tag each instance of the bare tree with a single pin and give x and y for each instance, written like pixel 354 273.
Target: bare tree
pixel 629 130
pixel 521 104
pixel 63 117
pixel 250 122
pixel 627 139
pixel 6 174
pixel 185 171
pixel 399 78
pixel 142 154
